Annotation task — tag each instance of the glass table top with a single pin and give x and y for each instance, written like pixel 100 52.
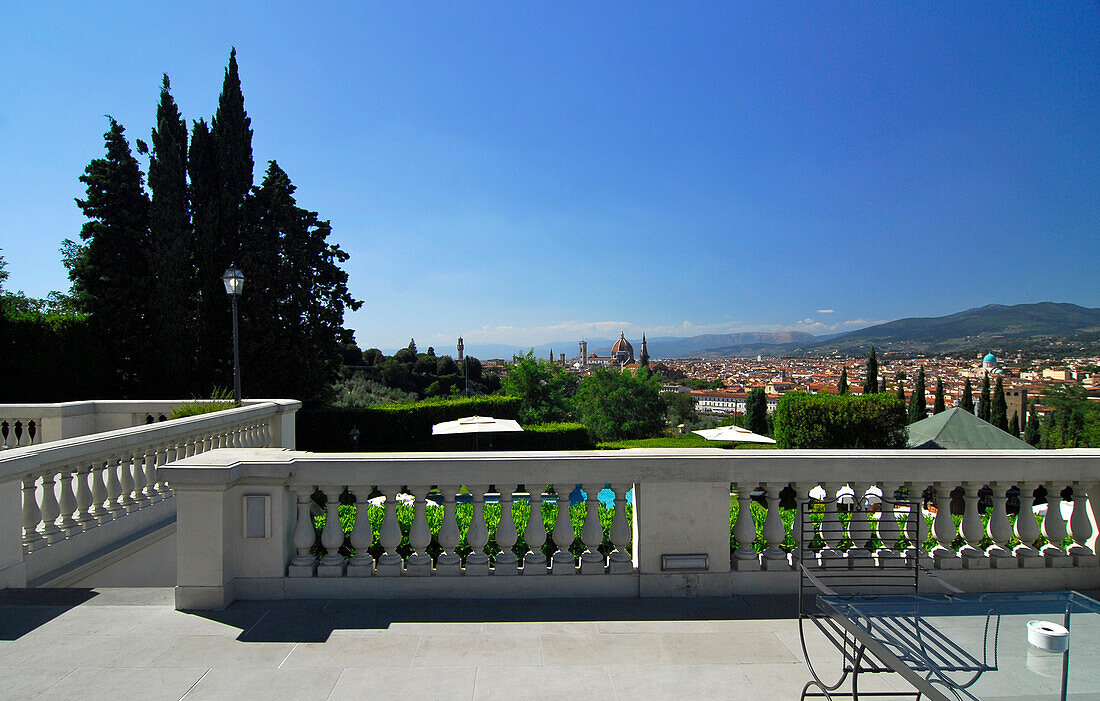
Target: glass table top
pixel 975 645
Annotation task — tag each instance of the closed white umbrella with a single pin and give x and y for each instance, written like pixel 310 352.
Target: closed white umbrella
pixel 732 433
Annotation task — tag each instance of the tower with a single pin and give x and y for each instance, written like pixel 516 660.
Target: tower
pixel 643 359
pixel 460 349
pixel 584 354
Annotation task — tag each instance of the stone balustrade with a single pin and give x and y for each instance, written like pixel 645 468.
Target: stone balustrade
pixel 248 521
pixel 71 495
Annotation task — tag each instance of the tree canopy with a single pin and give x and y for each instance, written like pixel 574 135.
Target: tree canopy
pixel 617 405
pixel 545 388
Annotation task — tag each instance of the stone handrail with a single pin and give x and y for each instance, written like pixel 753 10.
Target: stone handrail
pixel 55 494
pixel 258 505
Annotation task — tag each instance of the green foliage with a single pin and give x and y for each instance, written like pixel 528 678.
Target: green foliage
pixel 1075 422
pixel 967 401
pixel 357 391
pixel 999 410
pixel 617 404
pixel 939 407
pixel 918 406
pixel 680 408
pixel 394 425
pixel 688 440
pixel 1031 433
pixel 842 388
pixel 544 388
pixel 834 421
pixel 756 411
pixel 220 399
pixel 1014 424
pixel 870 383
pixel 984 406
pixel 547 436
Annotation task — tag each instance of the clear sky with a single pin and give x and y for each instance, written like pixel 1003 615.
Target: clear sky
pixel 532 172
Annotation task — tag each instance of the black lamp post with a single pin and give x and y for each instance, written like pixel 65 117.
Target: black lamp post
pixel 234 285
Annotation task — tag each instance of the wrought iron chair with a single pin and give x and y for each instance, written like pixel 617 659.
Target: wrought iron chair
pixel 835 560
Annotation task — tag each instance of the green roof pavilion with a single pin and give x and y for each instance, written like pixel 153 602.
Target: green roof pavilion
pixel 958 429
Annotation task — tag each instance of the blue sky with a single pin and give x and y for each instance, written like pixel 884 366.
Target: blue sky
pixel 522 173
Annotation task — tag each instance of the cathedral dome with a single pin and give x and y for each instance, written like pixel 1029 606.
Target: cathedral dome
pixel 989 358
pixel 622 351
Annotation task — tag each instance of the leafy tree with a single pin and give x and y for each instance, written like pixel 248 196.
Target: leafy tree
pixel 544 388
pixel 3 272
pixel 680 408
pixel 405 356
pixel 833 421
pixel 1014 424
pixel 999 410
pixel 617 405
pixel 967 401
pixel 939 406
pixel 412 345
pixel 293 315
pixel 984 408
pixel 1031 431
pixel 372 357
pixel 471 366
pixel 756 411
pixel 918 404
pixel 170 250
pixel 446 366
pixel 870 384
pixel 108 268
pixel 842 388
pixel 900 379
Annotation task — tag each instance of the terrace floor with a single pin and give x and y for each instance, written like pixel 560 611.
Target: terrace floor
pixel 132 643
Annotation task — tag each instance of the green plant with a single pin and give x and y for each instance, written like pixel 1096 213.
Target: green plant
pixel 834 421
pixel 220 399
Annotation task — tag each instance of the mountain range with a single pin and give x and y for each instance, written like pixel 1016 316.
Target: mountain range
pixel 1044 326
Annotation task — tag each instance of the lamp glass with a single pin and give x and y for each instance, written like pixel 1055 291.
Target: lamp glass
pixel 234 281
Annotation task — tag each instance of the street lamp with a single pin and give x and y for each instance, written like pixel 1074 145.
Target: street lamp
pixel 234 285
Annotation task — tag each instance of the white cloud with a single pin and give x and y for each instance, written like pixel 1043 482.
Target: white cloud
pixel 825 311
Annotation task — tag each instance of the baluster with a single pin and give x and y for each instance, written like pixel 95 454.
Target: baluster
pixel 1054 529
pixel 973 557
pixel 1027 529
pixel 99 492
pixel 888 530
pixel 448 563
pixel 912 530
pixel 86 519
pixel 592 560
pixel 1092 513
pixel 562 561
pixel 774 557
pixel 114 486
pixel 265 435
pixel 153 459
pixel 859 526
pixel 831 531
pixel 477 562
pixel 68 503
pixel 362 536
pixel 1080 529
pixel 622 533
pixel 506 561
pixel 18 434
pixel 32 516
pixel 50 509
pixel 332 535
pixel 534 560
pixel 999 530
pixel 799 489
pixel 126 482
pixel 420 536
pixel 304 563
pixel 744 530
pixel 943 529
pixel 389 562
pixel 141 499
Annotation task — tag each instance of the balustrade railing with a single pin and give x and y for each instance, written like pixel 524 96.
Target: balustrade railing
pixel 72 486
pixel 18 430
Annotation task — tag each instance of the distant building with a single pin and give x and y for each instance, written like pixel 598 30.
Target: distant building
pixel 1016 397
pixel 990 364
pixel 622 352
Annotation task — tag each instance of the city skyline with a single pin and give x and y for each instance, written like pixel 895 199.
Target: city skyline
pixel 520 175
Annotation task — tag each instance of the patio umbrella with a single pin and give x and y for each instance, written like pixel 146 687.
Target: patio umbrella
pixel 732 433
pixel 476 424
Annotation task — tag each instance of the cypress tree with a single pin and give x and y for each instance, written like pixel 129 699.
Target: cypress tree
pixel 999 408
pixel 984 408
pixel 967 401
pixel 1031 432
pixel 211 258
pixel 108 268
pixel 918 403
pixel 1014 424
pixel 232 134
pixel 939 406
pixel 170 249
pixel 756 411
pixel 870 384
pixel 901 389
pixel 843 387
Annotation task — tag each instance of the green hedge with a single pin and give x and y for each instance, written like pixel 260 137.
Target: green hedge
pixel 392 426
pixel 840 421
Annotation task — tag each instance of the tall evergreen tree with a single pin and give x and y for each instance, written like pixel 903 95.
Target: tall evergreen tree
pixel 170 250
pixel 967 401
pixel 918 403
pixel 1014 424
pixel 939 406
pixel 292 315
pixel 232 134
pixel 109 268
pixel 756 411
pixel 211 258
pixel 1031 431
pixel 999 407
pixel 870 384
pixel 842 388
pixel 984 408
pixel 901 389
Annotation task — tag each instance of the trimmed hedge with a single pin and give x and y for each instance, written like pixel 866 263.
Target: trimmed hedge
pixel 840 421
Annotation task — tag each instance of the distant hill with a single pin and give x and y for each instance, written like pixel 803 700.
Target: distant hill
pixel 1016 328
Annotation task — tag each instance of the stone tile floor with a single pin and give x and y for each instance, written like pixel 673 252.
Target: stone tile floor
pixel 132 643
